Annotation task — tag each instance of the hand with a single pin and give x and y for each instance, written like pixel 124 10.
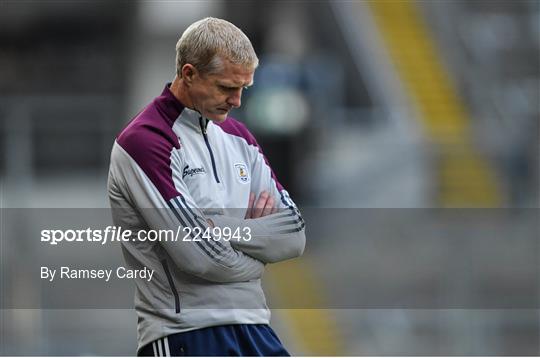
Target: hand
pixel 264 205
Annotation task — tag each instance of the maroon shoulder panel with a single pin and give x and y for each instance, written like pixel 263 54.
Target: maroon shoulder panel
pixel 149 140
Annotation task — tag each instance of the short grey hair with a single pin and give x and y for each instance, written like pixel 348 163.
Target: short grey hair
pixel 207 42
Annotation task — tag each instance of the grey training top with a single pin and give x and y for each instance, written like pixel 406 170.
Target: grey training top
pixel 173 169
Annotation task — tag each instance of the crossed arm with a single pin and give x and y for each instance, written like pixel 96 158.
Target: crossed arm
pixel 278 235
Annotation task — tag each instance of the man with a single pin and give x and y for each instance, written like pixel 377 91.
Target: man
pixel 182 163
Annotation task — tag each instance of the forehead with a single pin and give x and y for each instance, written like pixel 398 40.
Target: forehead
pixel 234 74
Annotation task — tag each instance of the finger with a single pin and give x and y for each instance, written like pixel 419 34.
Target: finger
pixel 268 206
pixel 259 205
pixel 274 209
pixel 250 205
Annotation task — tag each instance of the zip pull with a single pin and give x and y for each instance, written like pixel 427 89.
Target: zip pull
pixel 203 127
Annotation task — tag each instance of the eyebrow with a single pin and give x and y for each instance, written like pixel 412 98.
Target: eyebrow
pixel 233 85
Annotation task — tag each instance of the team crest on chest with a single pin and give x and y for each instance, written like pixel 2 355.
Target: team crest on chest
pixel 241 173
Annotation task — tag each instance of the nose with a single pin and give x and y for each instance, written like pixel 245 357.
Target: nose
pixel 235 99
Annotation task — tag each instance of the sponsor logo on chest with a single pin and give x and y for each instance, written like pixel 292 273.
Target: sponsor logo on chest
pixel 192 171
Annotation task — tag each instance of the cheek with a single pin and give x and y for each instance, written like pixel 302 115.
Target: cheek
pixel 207 96
pixel 214 97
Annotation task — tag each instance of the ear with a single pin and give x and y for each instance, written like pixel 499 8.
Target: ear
pixel 188 73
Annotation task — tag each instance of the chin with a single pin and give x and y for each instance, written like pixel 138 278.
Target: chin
pixel 218 117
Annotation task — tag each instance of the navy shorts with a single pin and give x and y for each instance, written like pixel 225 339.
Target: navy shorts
pixel 228 340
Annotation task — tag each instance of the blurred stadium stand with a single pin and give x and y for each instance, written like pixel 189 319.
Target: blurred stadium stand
pixel 490 48
pixel 377 104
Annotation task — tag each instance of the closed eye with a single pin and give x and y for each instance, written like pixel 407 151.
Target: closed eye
pixel 227 88
pixel 232 88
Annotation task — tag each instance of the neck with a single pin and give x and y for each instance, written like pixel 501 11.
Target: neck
pixel 178 89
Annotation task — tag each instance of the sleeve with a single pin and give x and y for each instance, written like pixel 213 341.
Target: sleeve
pixel 151 183
pixel 275 237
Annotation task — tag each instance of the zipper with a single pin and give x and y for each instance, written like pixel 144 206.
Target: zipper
pixel 203 129
pixel 171 284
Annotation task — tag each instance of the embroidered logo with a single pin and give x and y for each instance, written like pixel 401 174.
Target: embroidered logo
pixel 241 173
pixel 192 171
